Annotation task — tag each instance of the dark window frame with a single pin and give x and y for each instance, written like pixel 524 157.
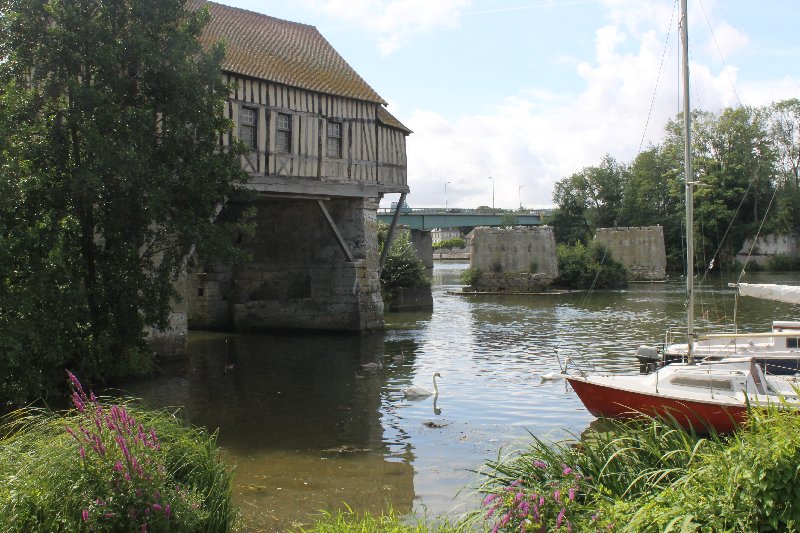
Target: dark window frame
pixel 283 133
pixel 248 129
pixel 333 147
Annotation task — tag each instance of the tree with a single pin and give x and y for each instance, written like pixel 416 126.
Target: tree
pixel 113 172
pixel 591 198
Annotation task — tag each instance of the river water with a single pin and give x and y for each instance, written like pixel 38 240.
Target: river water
pixel 308 426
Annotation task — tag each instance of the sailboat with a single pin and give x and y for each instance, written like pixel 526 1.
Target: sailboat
pixel 777 350
pixel 711 395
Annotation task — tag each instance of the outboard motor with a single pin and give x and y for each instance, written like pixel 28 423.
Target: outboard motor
pixel 648 359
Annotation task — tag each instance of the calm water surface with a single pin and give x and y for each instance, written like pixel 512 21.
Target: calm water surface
pixel 309 427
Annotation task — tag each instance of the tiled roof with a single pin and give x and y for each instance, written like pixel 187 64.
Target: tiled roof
pixel 390 120
pixel 280 51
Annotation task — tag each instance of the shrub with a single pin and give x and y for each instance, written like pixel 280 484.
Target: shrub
pixel 783 263
pixel 455 242
pixel 403 268
pixel 110 467
pixel 470 276
pixel 587 267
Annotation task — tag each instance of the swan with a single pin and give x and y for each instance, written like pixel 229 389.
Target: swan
pixel 553 376
pixel 421 392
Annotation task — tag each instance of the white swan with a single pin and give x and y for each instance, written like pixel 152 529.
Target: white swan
pixel 421 392
pixel 553 376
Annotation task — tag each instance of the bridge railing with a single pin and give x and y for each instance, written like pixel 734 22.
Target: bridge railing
pixel 457 211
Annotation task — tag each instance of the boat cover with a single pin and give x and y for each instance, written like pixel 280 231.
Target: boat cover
pixel 771 291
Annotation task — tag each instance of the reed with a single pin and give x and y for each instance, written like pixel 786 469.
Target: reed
pixel 350 521
pixel 112 467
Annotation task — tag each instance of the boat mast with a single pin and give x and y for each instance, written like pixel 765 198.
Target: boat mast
pixel 687 156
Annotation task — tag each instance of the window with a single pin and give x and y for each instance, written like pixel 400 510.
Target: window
pixel 334 139
pixel 283 133
pixel 792 342
pixel 248 122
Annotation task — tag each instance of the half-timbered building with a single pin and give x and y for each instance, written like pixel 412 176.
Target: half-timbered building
pixel 323 151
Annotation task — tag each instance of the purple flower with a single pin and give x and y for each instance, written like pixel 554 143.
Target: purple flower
pixel 567 470
pixel 157 507
pixel 540 464
pixel 167 511
pixel 118 466
pixel 557 495
pixel 486 501
pixel 82 452
pixel 560 518
pixel 85 515
pixel 76 400
pixel 572 494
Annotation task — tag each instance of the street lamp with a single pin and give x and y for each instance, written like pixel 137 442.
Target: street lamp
pixel 519 193
pixel 445 194
pixel 491 178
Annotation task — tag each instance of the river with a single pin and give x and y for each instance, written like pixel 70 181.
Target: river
pixel 308 426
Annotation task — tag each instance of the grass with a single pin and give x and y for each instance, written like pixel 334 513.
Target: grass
pixel 349 521
pixel 112 467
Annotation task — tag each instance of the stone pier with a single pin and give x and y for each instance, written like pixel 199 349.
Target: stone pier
pixel 519 259
pixel 640 249
pixel 299 276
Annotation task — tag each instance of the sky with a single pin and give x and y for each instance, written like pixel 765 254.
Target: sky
pixel 506 97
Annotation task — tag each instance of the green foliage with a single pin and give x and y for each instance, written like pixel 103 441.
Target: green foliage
pixel 783 263
pixel 746 160
pixel 508 219
pixel 651 475
pixel 110 120
pixel 403 268
pixel 349 521
pixel 455 242
pixel 110 467
pixel 470 276
pixel 586 267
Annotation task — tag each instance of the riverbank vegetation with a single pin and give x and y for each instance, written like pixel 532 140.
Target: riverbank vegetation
pixel 110 182
pixel 455 242
pixel 110 467
pixel 746 160
pixel 403 269
pixel 588 267
pixel 646 475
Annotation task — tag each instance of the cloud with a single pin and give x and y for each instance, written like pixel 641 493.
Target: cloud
pixel 394 22
pixel 535 137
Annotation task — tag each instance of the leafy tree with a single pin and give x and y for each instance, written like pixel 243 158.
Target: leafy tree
pixel 110 128
pixel 592 197
pixel 589 267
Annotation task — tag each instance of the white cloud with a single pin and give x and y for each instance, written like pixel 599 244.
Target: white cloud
pixel 534 138
pixel 394 22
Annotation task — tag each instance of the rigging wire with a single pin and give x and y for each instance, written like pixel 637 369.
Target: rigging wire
pixel 719 51
pixel 658 79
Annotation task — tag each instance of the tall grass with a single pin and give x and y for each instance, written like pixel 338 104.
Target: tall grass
pixel 651 476
pixel 112 467
pixel 349 521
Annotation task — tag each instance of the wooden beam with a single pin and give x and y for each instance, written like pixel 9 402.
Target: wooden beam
pixel 336 232
pixel 390 234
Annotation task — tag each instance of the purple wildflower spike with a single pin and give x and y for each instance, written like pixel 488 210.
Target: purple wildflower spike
pixel 560 518
pixel 85 515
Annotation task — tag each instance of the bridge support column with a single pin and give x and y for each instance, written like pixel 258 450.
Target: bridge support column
pixel 314 265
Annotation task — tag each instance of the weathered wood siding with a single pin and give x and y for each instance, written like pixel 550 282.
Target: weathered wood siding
pixel 371 151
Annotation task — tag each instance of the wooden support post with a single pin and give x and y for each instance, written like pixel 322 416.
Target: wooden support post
pixel 336 232
pixel 390 234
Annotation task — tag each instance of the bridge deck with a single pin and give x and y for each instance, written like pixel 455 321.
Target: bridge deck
pixel 431 218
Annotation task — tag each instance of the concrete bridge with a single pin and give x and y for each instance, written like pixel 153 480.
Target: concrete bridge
pixel 436 217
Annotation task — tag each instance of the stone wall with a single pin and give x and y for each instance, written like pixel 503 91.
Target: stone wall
pixel 769 246
pixel 173 341
pixel 641 250
pixel 298 276
pixel 423 248
pixel 519 259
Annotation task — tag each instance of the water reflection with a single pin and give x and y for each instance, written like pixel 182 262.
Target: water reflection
pixel 316 421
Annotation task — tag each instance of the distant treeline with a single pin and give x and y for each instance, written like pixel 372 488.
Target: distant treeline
pixel 747 163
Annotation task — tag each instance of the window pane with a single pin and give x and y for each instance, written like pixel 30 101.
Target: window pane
pixel 247 116
pixel 282 141
pixel 284 122
pixel 334 147
pixel 334 129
